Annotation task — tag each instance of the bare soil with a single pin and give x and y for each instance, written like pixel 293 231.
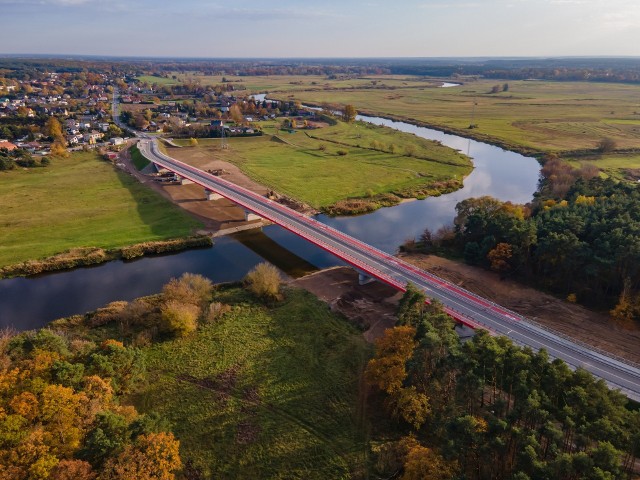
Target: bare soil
pixel 215 214
pixel 372 306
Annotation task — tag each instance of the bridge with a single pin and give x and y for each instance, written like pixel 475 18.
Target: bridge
pixel 464 306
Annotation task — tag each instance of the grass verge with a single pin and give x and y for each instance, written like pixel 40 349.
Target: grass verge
pixel 138 160
pixel 263 393
pixel 81 201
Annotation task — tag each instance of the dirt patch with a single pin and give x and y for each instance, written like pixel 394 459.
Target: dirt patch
pixel 247 432
pixel 216 215
pixel 370 307
pixel 222 384
pixel 592 328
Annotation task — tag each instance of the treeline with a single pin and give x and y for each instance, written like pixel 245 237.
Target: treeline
pixel 20 158
pixel 487 409
pixel 580 238
pixel 624 70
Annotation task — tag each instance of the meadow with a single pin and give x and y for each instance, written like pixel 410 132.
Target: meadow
pixel 530 116
pixel 80 201
pixel 325 165
pixel 263 392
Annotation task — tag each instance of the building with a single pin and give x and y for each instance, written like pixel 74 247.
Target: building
pixel 4 144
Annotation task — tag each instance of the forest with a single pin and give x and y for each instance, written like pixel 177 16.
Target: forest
pixel 488 409
pixel 580 238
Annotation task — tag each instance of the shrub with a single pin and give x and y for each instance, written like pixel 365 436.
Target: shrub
pixel 179 319
pixel 264 280
pixel 189 288
pixel 342 153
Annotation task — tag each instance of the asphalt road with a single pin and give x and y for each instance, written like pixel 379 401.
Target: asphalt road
pixel 463 305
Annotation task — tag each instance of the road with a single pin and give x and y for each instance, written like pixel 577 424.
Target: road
pixel 461 304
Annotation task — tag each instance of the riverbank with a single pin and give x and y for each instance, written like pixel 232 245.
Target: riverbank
pixel 84 257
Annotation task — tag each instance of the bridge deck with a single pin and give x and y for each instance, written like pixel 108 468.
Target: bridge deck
pixel 461 304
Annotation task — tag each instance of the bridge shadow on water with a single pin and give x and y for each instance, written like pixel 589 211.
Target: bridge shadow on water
pixel 274 253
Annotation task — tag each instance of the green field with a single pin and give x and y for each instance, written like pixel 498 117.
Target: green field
pixel 293 83
pixel 531 115
pixel 294 164
pixel 617 166
pixel 150 79
pixel 81 201
pixel 536 116
pixel 263 393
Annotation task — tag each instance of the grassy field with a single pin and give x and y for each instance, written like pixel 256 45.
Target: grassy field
pixel 617 166
pixel 263 393
pixel 80 201
pixel 294 164
pixel 150 79
pixel 536 116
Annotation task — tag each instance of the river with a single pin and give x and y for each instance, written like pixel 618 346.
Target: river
pixel 27 303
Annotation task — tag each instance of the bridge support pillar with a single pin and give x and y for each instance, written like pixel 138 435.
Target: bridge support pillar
pixel 212 195
pixel 250 216
pixel 364 279
pixel 185 181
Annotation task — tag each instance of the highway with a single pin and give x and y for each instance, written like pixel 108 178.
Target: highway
pixel 461 304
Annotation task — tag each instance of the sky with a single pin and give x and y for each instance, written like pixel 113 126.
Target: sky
pixel 321 28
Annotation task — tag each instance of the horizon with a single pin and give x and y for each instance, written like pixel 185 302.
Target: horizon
pixel 362 29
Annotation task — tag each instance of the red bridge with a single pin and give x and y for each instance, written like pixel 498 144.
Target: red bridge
pixel 464 306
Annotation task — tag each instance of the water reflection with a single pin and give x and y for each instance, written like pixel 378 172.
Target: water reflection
pixel 27 303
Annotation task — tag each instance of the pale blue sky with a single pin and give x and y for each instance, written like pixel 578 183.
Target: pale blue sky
pixel 321 28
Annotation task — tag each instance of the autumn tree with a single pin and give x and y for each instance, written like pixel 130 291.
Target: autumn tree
pixel 151 457
pixel 264 280
pixel 73 470
pixel 190 288
pixel 423 463
pixel 236 114
pixel 349 113
pixel 179 319
pixel 387 370
pixel 606 145
pixel 54 130
pixel 500 256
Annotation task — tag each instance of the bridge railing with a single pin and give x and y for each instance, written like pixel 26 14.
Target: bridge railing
pixel 454 289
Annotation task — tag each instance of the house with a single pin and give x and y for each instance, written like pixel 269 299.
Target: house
pixel 4 144
pixel 116 141
pixel 93 137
